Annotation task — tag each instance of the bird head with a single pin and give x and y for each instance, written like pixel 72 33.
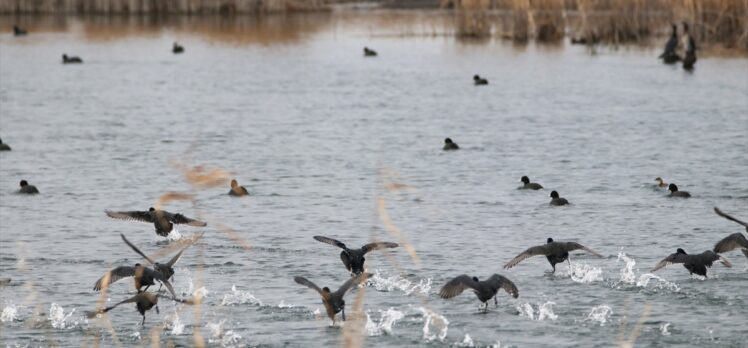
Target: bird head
pixel 680 251
pixel 24 183
pixel 554 194
pixel 475 279
pixel 525 180
pixel 326 290
pixel 550 240
pixel 673 188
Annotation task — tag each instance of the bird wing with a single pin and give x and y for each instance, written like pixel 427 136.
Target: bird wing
pixel 136 249
pixel 673 258
pixel 731 242
pixel 708 257
pixel 728 217
pixel 671 44
pixel 457 285
pixel 530 252
pixel 354 281
pixel 169 287
pixel 330 241
pixel 571 246
pixel 309 284
pixel 500 282
pixel 113 276
pixel 181 219
pixel 143 216
pixel 378 245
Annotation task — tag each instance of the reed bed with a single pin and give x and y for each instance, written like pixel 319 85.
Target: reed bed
pixel 158 7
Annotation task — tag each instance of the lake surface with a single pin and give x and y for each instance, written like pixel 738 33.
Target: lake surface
pixel 331 143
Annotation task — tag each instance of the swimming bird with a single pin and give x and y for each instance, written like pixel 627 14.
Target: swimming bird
pixel 696 263
pixel 143 276
pixel 669 56
pixel 530 185
pixel 163 220
pixel 71 60
pixel 479 81
pixel 368 52
pixel 333 301
pixel 660 183
pixel 144 301
pixel 450 145
pixel 556 200
pixel 353 259
pixel 4 146
pixel 675 193
pixel 734 241
pixel 18 31
pixel 27 189
pixel 237 190
pixel 485 289
pixel 176 48
pixel 690 58
pixel 555 252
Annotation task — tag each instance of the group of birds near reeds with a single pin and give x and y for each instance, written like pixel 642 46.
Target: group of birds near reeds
pixel 145 276
pixel 671 56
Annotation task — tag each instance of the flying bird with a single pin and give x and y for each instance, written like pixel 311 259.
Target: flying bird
pixel 144 301
pixel 696 263
pixel 555 252
pixel 353 259
pixel 333 301
pixel 485 289
pixel 734 241
pixel 163 220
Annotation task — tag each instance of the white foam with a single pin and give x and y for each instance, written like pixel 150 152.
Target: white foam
pixel 135 335
pixel 466 342
pixel 545 311
pixel 386 320
pixel 396 282
pixel 435 326
pixel 584 273
pixel 226 338
pixel 10 314
pixel 174 323
pixel 174 235
pixel 57 316
pixel 628 275
pixel 664 329
pixel 239 297
pixel 600 314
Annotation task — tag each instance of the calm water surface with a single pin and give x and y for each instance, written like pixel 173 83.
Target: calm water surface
pixel 330 143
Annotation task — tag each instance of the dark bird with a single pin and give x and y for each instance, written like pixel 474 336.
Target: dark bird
pixel 333 301
pixel 696 263
pixel 450 145
pixel 530 185
pixel 27 189
pixel 237 190
pixel 71 60
pixel 733 241
pixel 479 81
pixel 368 52
pixel 485 290
pixel 176 48
pixel 690 59
pixel 675 193
pixel 144 301
pixel 353 259
pixel 163 220
pixel 556 200
pixel 660 183
pixel 4 146
pixel 18 31
pixel 555 252
pixel 669 56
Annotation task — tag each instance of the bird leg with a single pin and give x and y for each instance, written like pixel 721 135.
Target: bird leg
pixel 157 312
pixel 143 323
pixel 495 301
pixel 343 312
pixel 144 290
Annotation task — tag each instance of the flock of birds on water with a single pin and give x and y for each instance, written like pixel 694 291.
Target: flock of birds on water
pixel 555 252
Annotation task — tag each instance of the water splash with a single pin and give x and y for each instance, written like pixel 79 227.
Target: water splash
pixel 226 338
pixel 283 304
pixel 664 329
pixel 435 326
pixel 600 314
pixel 545 311
pixel 174 235
pixel 584 273
pixel 396 282
pixel 239 297
pixel 386 320
pixel 57 316
pixel 466 342
pixel 10 314
pixel 174 323
pixel 628 275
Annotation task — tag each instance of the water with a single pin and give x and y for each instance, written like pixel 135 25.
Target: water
pixel 330 143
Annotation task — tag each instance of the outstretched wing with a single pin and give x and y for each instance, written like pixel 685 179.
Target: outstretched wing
pixel 728 217
pixel 534 251
pixel 330 241
pixel 136 249
pixel 143 216
pixel 309 284
pixel 571 246
pixel 129 300
pixel 673 258
pixel 353 282
pixel 113 276
pixel 378 245
pixel 731 242
pixel 457 285
pixel 169 287
pixel 183 220
pixel 500 282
